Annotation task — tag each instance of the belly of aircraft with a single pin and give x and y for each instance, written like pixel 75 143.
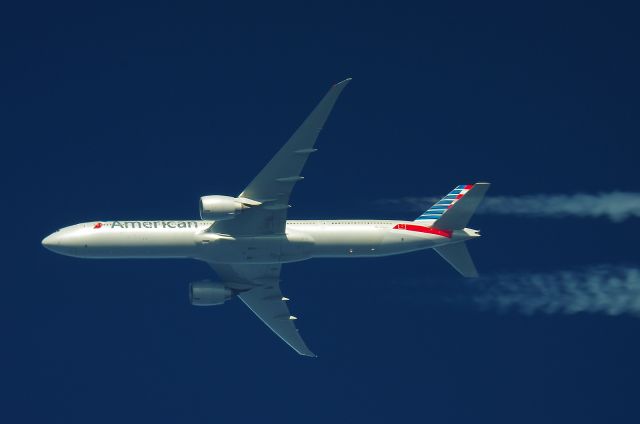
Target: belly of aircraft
pixel 301 242
pixel 292 247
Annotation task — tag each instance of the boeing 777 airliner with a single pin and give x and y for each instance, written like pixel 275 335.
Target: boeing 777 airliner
pixel 247 238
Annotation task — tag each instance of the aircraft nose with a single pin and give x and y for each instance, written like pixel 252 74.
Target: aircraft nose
pixel 50 242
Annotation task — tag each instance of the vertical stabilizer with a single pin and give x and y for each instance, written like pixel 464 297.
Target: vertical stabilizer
pixel 458 214
pixel 441 206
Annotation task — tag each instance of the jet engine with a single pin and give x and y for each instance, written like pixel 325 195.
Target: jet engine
pixel 218 208
pixel 208 293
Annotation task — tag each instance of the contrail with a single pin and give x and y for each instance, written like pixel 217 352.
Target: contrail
pixel 602 289
pixel 616 206
pixel 605 289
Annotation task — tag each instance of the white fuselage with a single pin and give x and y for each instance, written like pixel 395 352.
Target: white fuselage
pixel 302 240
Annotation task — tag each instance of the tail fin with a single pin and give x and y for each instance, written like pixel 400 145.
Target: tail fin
pixel 454 211
pixel 458 257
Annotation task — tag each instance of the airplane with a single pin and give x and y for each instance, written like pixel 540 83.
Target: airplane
pixel 246 239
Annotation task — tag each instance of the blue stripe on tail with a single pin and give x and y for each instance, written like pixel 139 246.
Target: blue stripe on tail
pixel 440 208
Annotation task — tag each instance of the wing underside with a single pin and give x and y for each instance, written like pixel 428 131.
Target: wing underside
pixel 273 185
pixel 258 286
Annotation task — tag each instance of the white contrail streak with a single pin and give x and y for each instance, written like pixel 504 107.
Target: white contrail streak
pixel 605 289
pixel 616 206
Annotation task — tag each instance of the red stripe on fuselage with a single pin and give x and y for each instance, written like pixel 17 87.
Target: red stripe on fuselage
pixel 421 229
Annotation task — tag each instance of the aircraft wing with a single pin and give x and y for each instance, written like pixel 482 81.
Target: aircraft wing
pixel 273 185
pixel 259 287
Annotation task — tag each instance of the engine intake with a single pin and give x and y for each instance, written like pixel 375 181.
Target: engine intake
pixel 219 208
pixel 208 293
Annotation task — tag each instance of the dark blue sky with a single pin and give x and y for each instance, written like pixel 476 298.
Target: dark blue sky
pixel 112 112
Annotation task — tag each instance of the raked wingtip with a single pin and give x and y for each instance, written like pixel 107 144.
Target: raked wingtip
pixel 343 82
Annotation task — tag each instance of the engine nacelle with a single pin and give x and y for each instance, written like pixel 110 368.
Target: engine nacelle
pixel 208 293
pixel 218 208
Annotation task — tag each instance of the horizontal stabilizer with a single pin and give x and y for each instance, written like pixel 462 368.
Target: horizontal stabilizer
pixel 458 257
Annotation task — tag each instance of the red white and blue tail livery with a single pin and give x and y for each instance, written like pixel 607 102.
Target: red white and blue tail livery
pixel 438 209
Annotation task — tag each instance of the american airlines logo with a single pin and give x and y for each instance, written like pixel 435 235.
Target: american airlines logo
pixel 147 224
